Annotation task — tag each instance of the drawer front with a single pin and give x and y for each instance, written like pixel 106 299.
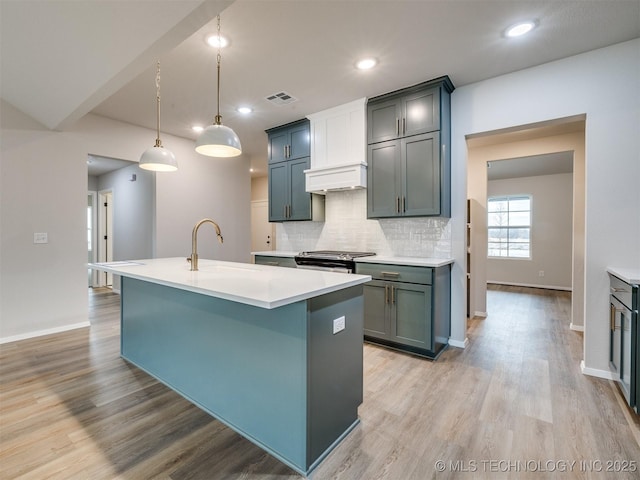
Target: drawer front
pixel 275 261
pixel 399 273
pixel 621 290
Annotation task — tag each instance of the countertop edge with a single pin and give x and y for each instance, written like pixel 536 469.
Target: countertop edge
pixel 353 280
pixel 385 259
pixel 629 275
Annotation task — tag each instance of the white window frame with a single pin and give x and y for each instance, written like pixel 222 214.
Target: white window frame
pixel 508 227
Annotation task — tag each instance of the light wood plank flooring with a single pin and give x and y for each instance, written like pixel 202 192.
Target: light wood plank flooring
pixel 512 402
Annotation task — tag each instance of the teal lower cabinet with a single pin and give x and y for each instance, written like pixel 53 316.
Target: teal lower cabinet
pixel 411 315
pixel 275 261
pixel 279 377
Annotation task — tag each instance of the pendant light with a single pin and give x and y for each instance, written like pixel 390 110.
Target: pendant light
pixel 217 140
pixel 157 158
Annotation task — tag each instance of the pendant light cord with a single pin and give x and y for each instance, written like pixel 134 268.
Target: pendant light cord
pixel 158 141
pixel 218 119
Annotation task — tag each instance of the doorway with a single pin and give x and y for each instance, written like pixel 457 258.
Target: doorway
pixel 105 235
pixel 545 138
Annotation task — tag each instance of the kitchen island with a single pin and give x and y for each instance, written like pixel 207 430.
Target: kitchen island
pixel 274 353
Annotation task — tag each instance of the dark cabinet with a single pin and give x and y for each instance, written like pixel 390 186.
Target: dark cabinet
pixel 289 142
pixel 409 165
pixel 274 261
pixel 624 337
pixel 405 177
pixel 404 115
pixel 288 159
pixel 407 307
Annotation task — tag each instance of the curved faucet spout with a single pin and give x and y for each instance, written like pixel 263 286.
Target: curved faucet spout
pixel 194 241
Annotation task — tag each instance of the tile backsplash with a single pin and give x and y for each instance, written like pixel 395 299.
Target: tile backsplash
pixel 346 227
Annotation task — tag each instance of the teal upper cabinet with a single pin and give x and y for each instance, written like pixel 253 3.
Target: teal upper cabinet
pixel 403 115
pixel 289 142
pixel 409 163
pixel 288 159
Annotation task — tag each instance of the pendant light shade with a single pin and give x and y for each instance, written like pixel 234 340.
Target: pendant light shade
pixel 218 140
pixel 158 158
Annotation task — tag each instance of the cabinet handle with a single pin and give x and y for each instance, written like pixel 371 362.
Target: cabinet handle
pixel 397 126
pixel 397 204
pixel 616 290
pixel 386 294
pixel 612 317
pixel 393 300
pixel 275 264
pixel 404 206
pixel 390 274
pixel 404 126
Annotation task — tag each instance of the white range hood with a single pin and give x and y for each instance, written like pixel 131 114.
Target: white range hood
pixel 338 177
pixel 338 148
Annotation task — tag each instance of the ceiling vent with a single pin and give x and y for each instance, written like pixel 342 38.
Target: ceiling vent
pixel 281 98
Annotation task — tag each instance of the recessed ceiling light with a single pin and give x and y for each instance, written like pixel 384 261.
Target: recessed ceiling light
pixel 197 128
pixel 251 170
pixel 244 110
pixel 216 41
pixel 520 29
pixel 366 63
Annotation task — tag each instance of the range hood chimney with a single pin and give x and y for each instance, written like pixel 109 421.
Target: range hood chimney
pixel 338 148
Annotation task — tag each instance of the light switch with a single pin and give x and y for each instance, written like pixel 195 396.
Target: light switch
pixel 338 325
pixel 40 238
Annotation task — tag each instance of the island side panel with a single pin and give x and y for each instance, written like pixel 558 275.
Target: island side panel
pixel 335 369
pixel 245 365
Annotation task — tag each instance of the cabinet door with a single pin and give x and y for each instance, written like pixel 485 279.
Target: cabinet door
pixel 299 142
pixel 383 179
pixel 376 309
pixel 421 175
pixel 420 112
pixel 411 315
pixel 300 204
pixel 278 191
pixel 383 120
pixel 278 142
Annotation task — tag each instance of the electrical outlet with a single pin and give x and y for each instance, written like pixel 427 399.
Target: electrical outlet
pixel 541 273
pixel 40 238
pixel 338 325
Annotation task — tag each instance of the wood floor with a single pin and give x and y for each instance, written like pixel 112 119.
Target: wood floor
pixel 512 405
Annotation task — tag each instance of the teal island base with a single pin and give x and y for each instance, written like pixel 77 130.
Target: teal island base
pixel 280 377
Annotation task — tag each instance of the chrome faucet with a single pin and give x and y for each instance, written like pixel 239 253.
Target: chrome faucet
pixel 194 242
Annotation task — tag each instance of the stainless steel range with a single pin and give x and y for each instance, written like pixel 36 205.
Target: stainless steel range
pixel 329 260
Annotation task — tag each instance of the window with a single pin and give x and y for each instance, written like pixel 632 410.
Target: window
pixel 509 226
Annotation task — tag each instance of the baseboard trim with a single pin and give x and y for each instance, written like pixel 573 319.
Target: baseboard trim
pixel 576 328
pixel 594 372
pixel 40 333
pixel 458 343
pixel 530 285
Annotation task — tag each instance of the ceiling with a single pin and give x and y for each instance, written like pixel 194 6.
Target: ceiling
pixel 99 56
pixel 531 166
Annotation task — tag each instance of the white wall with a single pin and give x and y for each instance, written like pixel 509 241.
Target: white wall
pixel 551 232
pixel 43 188
pixel 133 211
pixel 603 84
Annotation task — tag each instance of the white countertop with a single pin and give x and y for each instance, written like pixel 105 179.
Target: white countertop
pixel 629 275
pixel 414 261
pixel 276 253
pixel 386 259
pixel 259 285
